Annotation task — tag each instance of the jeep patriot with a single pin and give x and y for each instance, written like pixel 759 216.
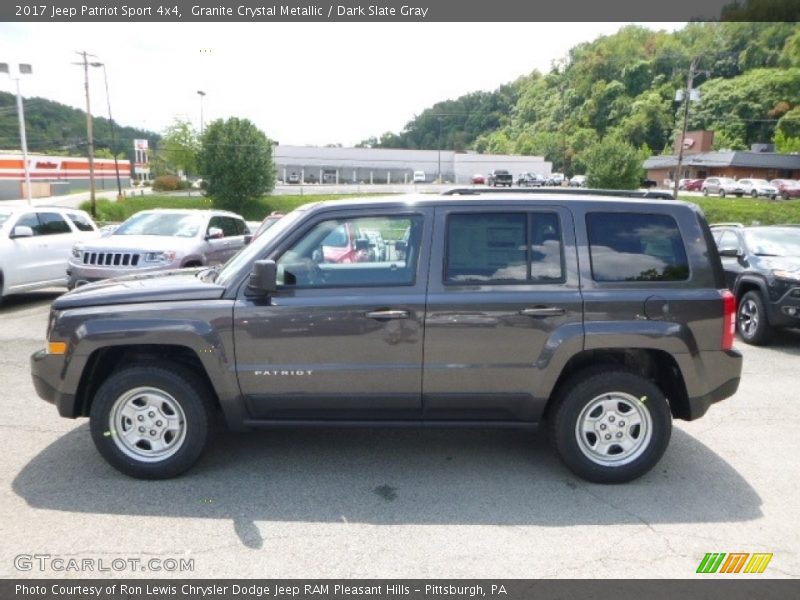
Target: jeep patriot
pixel 599 316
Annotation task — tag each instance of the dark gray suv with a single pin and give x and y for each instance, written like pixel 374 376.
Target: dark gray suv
pixel 600 316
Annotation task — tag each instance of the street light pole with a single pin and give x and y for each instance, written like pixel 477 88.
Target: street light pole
pixel 113 131
pixel 202 95
pixel 22 69
pixel 89 129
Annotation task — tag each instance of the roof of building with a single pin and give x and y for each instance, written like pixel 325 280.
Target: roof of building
pixel 756 160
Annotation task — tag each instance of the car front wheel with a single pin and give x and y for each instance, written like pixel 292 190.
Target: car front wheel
pixel 610 425
pixel 751 319
pixel 151 421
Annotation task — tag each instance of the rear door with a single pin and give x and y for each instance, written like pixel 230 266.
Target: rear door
pixel 503 303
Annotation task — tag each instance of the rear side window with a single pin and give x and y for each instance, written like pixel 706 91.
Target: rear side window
pixel 52 224
pixel 81 222
pixel 504 248
pixel 636 247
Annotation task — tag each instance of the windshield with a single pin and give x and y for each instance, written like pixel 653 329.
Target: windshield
pixel 778 241
pixel 758 182
pixel 256 247
pixel 4 217
pixel 163 224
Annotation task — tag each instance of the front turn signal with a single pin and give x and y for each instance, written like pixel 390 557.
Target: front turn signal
pixel 57 348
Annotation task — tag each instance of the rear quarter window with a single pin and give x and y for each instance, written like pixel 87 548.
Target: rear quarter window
pixel 630 247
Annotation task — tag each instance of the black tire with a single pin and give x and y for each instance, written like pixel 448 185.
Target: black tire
pixel 705 191
pixel 785 196
pixel 722 193
pixel 751 320
pixel 754 194
pixel 181 387
pixel 597 385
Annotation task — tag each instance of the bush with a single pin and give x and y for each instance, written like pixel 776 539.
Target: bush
pixel 166 183
pixel 614 164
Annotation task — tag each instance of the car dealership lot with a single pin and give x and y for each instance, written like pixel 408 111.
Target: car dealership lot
pixel 402 503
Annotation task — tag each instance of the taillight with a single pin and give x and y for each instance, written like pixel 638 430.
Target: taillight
pixel 729 321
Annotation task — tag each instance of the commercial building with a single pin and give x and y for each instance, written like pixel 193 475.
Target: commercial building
pixel 312 164
pixel 700 161
pixel 57 175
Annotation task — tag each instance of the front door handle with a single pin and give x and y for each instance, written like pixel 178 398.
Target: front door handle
pixel 387 314
pixel 542 311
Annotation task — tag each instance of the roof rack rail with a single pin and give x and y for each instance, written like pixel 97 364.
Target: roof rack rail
pixel 726 225
pixel 564 191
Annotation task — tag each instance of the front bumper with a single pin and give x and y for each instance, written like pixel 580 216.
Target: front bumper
pixel 46 372
pixel 79 272
pixel 785 312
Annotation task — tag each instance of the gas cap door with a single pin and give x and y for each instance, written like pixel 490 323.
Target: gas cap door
pixel 656 308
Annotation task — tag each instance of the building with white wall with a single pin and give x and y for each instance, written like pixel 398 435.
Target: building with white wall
pixel 312 164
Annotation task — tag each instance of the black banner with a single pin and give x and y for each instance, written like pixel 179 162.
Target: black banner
pixel 395 589
pixel 396 10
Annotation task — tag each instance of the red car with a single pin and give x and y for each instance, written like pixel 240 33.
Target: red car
pixel 787 188
pixel 478 179
pixel 690 185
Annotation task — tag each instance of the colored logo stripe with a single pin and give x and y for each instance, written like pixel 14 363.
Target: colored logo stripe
pixel 714 562
pixel 711 562
pixel 758 563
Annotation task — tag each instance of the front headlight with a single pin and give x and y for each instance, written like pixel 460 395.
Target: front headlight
pixel 154 257
pixel 787 275
pixel 76 252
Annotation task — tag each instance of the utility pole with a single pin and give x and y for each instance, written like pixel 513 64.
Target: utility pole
pixel 89 131
pixel 687 99
pixel 202 95
pixel 113 131
pixel 22 69
pixel 439 178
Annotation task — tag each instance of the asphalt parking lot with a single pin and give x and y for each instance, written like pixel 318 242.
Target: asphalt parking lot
pixel 401 503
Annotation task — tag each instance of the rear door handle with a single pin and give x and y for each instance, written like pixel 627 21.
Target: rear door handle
pixel 542 311
pixel 387 314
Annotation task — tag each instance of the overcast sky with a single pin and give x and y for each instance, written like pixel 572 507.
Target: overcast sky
pixel 301 83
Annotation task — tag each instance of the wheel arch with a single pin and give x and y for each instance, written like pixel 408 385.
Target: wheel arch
pixel 103 362
pixel 657 366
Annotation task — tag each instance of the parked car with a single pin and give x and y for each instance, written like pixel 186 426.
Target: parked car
pixel 648 183
pixel 35 245
pixel 530 180
pixel 293 178
pixel 555 179
pixel 690 185
pixel 419 176
pixel 608 316
pixel 268 222
pixel 578 181
pixel 158 240
pixel 787 188
pixel 478 179
pixel 762 269
pixel 500 177
pixel 724 186
pixel 759 187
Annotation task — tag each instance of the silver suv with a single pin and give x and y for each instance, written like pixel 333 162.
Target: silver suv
pixel 155 240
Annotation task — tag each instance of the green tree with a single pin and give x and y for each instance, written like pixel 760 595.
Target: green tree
pixel 177 151
pixel 787 132
pixel 613 163
pixel 235 162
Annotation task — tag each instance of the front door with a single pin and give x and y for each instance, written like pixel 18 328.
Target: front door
pixel 339 340
pixel 503 302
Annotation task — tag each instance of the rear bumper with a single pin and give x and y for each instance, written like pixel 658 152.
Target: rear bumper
pixel 721 379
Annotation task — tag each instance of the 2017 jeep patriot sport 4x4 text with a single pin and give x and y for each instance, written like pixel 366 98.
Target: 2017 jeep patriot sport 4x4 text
pixel 602 317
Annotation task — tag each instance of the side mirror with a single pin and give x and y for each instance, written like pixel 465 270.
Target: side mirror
pixel 401 245
pixel 730 252
pixel 264 276
pixel 248 237
pixel 362 244
pixel 214 233
pixel 21 231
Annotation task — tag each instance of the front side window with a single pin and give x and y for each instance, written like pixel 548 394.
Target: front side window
pixel 636 247
pixel 81 222
pixel 728 241
pixel 347 252
pixel 504 248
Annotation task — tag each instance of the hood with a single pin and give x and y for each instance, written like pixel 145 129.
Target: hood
pixel 161 286
pixel 137 243
pixel 782 263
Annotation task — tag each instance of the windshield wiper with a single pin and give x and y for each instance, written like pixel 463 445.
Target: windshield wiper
pixel 765 254
pixel 209 272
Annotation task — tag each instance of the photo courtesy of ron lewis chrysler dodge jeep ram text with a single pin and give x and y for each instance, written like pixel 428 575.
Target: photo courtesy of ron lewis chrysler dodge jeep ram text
pixel 600 316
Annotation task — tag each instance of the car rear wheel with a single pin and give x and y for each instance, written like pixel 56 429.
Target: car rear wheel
pixel 722 193
pixel 151 421
pixel 751 319
pixel 754 194
pixel 610 425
